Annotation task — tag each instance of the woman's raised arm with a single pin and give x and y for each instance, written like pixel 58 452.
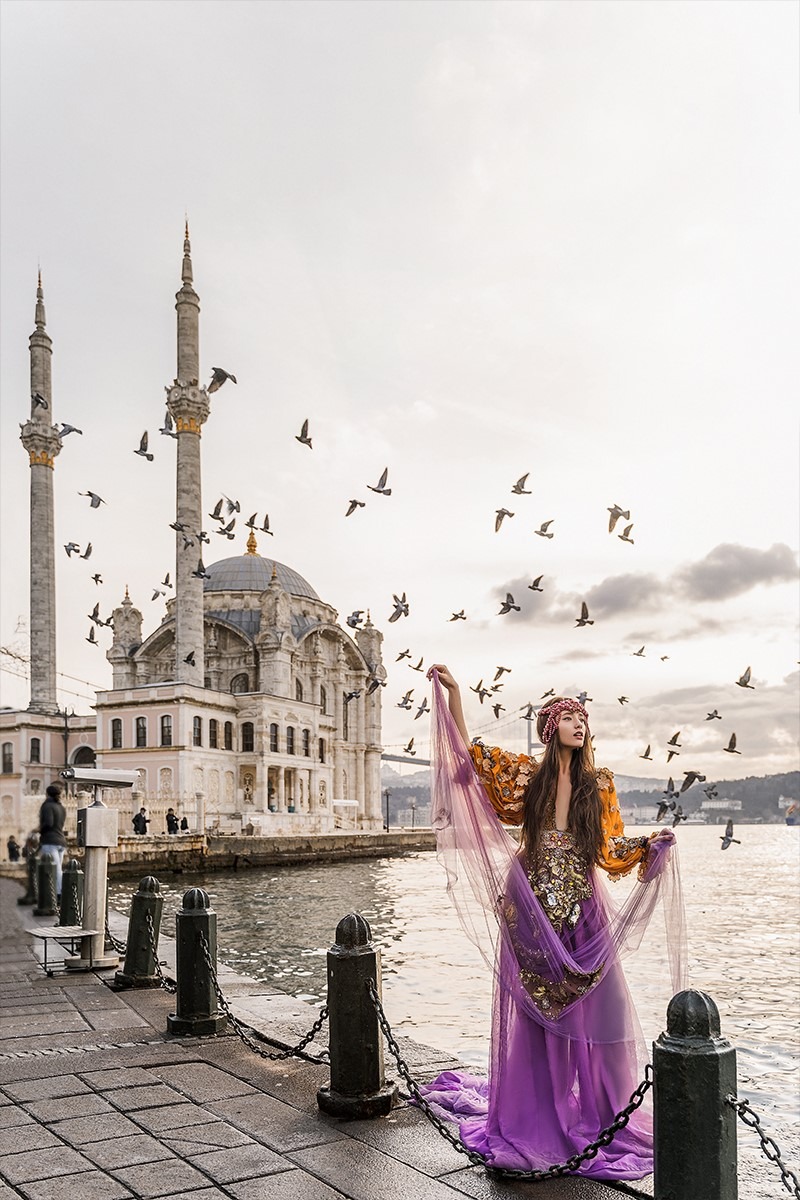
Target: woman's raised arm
pixel 453 699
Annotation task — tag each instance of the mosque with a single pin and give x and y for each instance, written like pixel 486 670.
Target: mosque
pixel 249 708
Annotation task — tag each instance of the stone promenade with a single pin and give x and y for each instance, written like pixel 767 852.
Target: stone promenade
pixel 97 1102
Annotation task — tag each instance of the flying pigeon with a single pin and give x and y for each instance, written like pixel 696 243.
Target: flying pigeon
pixel 265 527
pixel 692 777
pixel 302 436
pixel 165 581
pixel 71 548
pixel 534 587
pixel 530 715
pixel 233 506
pixel 227 530
pixel 218 377
pixel 501 514
pixel 156 593
pixel 728 837
pixel 673 741
pixel 617 512
pixel 542 530
pixel 190 659
pixel 403 654
pixel 216 514
pixel 66 430
pixel 744 681
pixel 584 698
pixel 352 695
pixel 418 667
pixel 400 608
pixel 251 523
pixel 354 620
pixel 201 572
pixel 549 692
pixel 497 709
pixel 459 616
pixel 168 429
pixel 406 701
pixel 381 489
pixel 353 505
pixel 97 578
pixel 679 816
pixel 501 671
pixel 714 716
pixel 91 639
pixel 583 619
pixel 94 615
pixel 94 500
pixel 409 749
pixel 143 448
pixel 374 684
pixel 179 526
pixel 423 708
pixel 519 487
pixel 88 551
pixel 731 746
pixel 672 754
pixel 638 653
pixel 623 699
pixel 647 755
pixel 39 400
pixel 507 605
pixel 625 535
pixel 480 691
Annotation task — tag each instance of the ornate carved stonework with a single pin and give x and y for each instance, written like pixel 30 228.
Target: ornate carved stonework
pixel 188 405
pixel 41 441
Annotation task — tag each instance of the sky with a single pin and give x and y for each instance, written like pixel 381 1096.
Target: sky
pixel 469 242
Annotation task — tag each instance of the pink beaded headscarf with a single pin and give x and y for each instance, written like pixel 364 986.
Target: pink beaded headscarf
pixel 556 711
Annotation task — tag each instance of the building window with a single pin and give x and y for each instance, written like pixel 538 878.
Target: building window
pixel 116 734
pixel 197 731
pixel 166 731
pixel 273 738
pixel 345 722
pixel 290 739
pixel 8 758
pixel 228 735
pixel 298 690
pixel 323 699
pixel 213 733
pixel 322 749
pixel 141 731
pixel 240 683
pixel 307 742
pixel 36 750
pixel 248 740
pixel 35 786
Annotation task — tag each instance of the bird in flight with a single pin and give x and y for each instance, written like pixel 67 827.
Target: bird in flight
pixel 355 618
pixel 638 653
pixel 143 448
pixel 227 530
pixel 549 692
pixel 94 500
pixel 534 587
pixel 403 654
pixel 692 777
pixel 500 516
pixel 265 527
pixel 400 608
pixel 679 816
pixel 88 551
pixel 406 701
pixel 501 671
pixel 374 684
pixel 94 615
pixel 66 430
pixel 302 436
pixel 617 512
pixel 584 698
pixel 201 572
pixel 215 514
pixel 353 505
pixel 418 667
pixel 71 548
pixel 190 659
pixel 647 755
pixel 744 681
pixel 623 699
pixel 507 605
pixel 233 506
pixel 409 749
pixel 673 741
pixel 530 715
pixel 250 523
pixel 459 616
pixel 91 639
pixel 583 619
pixel 97 578
pixel 423 708
pixel 218 377
pixel 543 528
pixel 625 535
pixel 165 581
pixel 731 746
pixel 39 400
pixel 381 489
pixel 727 837
pixel 672 754
pixel 711 791
pixel 519 487
pixel 157 592
pixel 497 709
pixel 480 691
pixel 168 428
pixel 714 716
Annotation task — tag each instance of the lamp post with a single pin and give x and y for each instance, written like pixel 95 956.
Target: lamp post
pixel 386 796
pixel 65 733
pixel 413 814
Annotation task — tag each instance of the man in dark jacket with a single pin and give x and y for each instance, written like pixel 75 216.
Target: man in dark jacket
pixel 52 839
pixel 141 821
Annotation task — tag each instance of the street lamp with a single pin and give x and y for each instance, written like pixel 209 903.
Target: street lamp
pixel 65 732
pixel 413 814
pixel 386 796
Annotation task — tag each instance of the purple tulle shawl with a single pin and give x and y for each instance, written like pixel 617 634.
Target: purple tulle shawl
pixel 567 1049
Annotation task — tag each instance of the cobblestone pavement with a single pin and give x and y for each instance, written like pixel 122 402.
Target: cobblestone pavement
pixel 98 1101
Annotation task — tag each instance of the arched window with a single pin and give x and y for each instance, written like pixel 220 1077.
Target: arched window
pixel 213 733
pixel 84 756
pixel 273 738
pixel 248 740
pixel 240 683
pixel 36 750
pixel 116 734
pixel 345 723
pixel 323 699
pixel 307 742
pixel 290 739
pixel 228 735
pixel 141 731
pixel 298 690
pixel 8 758
pixel 197 731
pixel 166 731
pixel 322 749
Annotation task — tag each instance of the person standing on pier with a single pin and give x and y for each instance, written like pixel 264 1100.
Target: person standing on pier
pixel 567 1050
pixel 52 839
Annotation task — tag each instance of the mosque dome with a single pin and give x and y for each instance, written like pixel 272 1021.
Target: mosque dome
pixel 252 573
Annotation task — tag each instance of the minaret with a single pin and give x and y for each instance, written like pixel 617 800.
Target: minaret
pixel 40 438
pixel 188 405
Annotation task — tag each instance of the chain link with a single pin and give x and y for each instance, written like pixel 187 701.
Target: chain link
pixel 119 947
pixel 566 1168
pixel 240 1029
pixel 166 984
pixel 769 1146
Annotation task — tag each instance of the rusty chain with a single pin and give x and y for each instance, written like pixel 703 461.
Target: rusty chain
pixel 238 1027
pixel 566 1168
pixel 769 1146
pixel 166 984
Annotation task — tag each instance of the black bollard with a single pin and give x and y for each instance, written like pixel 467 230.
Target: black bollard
pixel 197 1013
pixel 71 894
pixel 139 967
pixel 694 1130
pixel 47 902
pixel 358 1086
pixel 30 890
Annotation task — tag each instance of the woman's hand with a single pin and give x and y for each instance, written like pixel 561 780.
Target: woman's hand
pixel 445 678
pixel 663 835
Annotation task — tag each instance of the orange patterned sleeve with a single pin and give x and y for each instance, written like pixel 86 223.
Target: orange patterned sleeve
pixel 619 854
pixel 505 778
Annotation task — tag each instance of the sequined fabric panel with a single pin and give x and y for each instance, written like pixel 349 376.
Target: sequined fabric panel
pixel 560 879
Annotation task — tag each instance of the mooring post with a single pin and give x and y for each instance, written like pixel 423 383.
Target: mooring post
pixel 30 890
pixel 694 1069
pixel 139 967
pixel 358 1086
pixel 47 902
pixel 197 1012
pixel 71 894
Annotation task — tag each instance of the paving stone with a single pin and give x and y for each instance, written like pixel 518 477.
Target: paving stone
pixel 240 1162
pixel 48 1088
pixel 26 1137
pixel 151 1095
pixel 171 1177
pixel 215 1135
pixel 10 1115
pixel 289 1185
pixel 105 1019
pixel 364 1174
pixel 276 1124
pixel 66 1107
pixel 292 1080
pixel 103 1081
pixel 82 1130
pixel 90 1185
pixel 21 1026
pixel 474 1182
pixel 45 1164
pixel 174 1116
pixel 408 1136
pixel 202 1082
pixel 209 1193
pixel 126 1151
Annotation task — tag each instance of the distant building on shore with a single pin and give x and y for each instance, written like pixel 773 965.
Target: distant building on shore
pixel 249 705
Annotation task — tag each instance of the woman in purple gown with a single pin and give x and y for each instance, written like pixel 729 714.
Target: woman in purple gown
pixel 567 1050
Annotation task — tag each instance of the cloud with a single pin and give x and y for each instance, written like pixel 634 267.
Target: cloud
pixel 625 593
pixel 729 570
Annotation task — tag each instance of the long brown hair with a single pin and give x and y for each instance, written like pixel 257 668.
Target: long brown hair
pixel 584 806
